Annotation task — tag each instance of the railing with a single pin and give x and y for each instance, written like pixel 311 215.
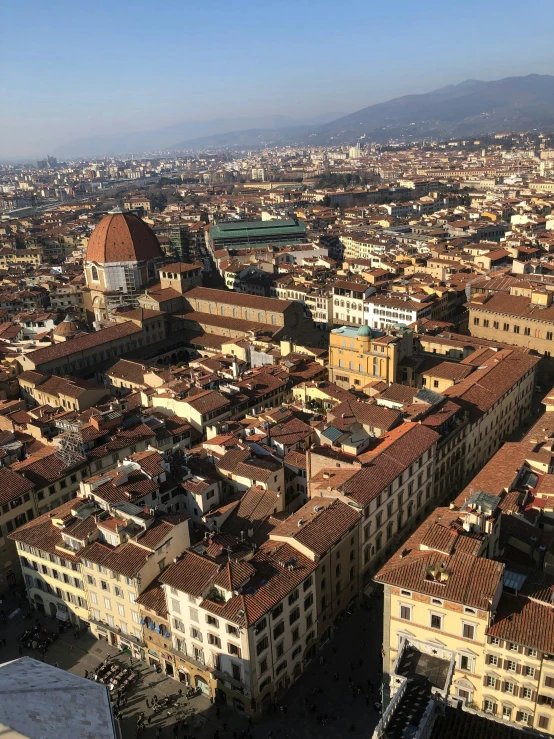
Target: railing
pixel 390 710
pixel 117 630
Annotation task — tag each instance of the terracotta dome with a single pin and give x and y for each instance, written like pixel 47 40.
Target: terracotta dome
pixel 122 237
pixel 69 326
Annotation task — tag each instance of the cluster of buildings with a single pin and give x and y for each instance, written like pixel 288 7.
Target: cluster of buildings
pixel 227 418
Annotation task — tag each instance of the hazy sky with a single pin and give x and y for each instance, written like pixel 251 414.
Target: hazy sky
pixel 82 67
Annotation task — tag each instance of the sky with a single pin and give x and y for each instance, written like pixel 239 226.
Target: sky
pixel 79 68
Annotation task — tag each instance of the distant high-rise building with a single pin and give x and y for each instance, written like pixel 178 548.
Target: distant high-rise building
pixel 355 151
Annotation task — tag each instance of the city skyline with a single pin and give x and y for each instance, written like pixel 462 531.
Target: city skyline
pixel 139 71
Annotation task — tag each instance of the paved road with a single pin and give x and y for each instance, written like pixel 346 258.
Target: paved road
pixel 353 657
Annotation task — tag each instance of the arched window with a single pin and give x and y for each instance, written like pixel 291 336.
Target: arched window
pixel 94 273
pixel 273 320
pixel 260 317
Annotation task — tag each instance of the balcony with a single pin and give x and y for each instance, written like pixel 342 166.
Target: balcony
pixel 237 685
pixel 199 664
pixel 116 630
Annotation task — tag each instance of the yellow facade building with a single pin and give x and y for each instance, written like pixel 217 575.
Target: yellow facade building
pixel 358 356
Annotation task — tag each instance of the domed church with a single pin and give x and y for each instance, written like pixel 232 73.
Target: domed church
pixel 123 256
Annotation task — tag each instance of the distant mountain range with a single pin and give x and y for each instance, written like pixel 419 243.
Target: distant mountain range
pixel 168 138
pixel 470 108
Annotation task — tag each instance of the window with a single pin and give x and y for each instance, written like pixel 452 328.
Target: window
pixel 513 647
pixel 111 622
pixel 530 671
pixel 475 321
pixel 549 681
pixel 195 633
pixel 527 693
pixel 516 329
pixel 107 604
pixel 294 615
pixel 233 649
pixel 437 602
pixel 262 645
pixel 104 585
pixel 91 580
pixel 436 621
pixel 277 611
pixel 308 601
pixel 468 631
pixel 263 665
pixel 544 721
pixel 93 598
pixel 293 597
pixel 523 717
pixel 489 706
pixel 466 663
pixel 510 665
pixel 549 335
pixel 506 327
pixel 527 331
pixel 509 688
pixel 214 640
pixel 121 610
pixel 193 614
pixel 280 667
pixel 531 652
pixel 493 659
pixel 118 592
pixel 279 629
pixel 491 681
pixel 307 584
pixel 486 322
pixel 212 621
pixel 279 650
pixel 407 593
pixel 507 713
pixel 234 667
pixel 405 612
pixel 495 640
pixel 232 630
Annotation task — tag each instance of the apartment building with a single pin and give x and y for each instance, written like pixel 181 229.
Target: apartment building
pixel 88 565
pixel 349 301
pixel 497 397
pixel 327 531
pixel 384 311
pixel 59 392
pixel 391 484
pixel 18 505
pixel 525 321
pixel 360 356
pixel 125 554
pixel 442 591
pixel 52 570
pixel 243 628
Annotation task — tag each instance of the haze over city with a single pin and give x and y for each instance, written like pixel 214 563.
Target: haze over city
pixel 73 71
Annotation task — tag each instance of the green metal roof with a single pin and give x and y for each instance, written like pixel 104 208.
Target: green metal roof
pixel 253 229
